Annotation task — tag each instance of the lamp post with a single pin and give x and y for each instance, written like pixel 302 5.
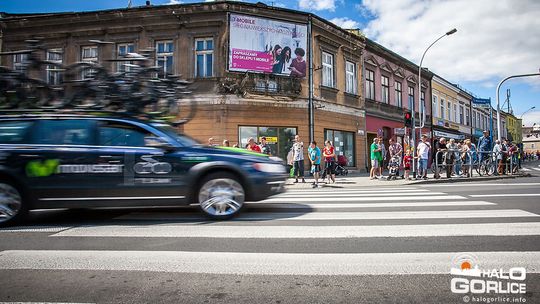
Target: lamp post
pixel 421 109
pixel 498 103
pixel 532 108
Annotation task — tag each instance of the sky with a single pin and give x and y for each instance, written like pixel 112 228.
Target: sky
pixel 495 38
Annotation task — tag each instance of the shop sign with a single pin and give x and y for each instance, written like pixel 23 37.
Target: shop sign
pixel 399 131
pixel 269 139
pixel 448 135
pixel 454 126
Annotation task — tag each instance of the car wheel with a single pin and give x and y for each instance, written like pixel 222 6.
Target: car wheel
pixel 221 196
pixel 12 209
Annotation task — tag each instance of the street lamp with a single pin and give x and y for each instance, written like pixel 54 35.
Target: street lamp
pixel 532 108
pixel 421 109
pixel 498 104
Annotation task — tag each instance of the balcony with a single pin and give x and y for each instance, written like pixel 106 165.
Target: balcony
pixel 262 84
pixel 387 111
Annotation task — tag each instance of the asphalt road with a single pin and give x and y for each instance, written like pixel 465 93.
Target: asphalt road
pixel 388 244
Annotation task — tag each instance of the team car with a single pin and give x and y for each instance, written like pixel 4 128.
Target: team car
pixel 89 161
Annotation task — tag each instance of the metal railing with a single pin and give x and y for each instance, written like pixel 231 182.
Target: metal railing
pixel 483 162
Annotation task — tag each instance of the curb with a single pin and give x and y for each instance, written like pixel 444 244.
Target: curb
pixel 460 180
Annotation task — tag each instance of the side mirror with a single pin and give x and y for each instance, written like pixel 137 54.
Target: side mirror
pixel 158 142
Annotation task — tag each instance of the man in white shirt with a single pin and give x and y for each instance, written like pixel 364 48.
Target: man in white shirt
pixel 423 156
pixel 298 159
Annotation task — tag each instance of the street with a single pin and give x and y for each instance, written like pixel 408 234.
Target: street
pixel 336 244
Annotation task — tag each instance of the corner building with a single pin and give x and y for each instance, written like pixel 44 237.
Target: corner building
pixel 229 49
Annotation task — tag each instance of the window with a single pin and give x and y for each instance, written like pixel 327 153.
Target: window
pixel 434 105
pixel 399 101
pixel 343 144
pixel 89 54
pixel 467 117
pixel 122 50
pixel 475 125
pixel 204 54
pixel 411 97
pixel 385 89
pixel 350 78
pixel 118 134
pixel 461 115
pixel 327 70
pixel 19 62
pixel 279 139
pixel 456 112
pixel 165 57
pixel 442 108
pixel 14 132
pixel 64 132
pixel 370 85
pixel 449 108
pixel 54 76
pixel 423 101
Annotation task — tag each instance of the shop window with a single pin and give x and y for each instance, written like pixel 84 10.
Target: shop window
pixel 399 101
pixel 165 57
pixel 350 76
pixel 385 89
pixel 370 84
pixel 343 142
pixel 54 76
pixel 204 57
pixel 328 70
pixel 122 50
pixel 280 139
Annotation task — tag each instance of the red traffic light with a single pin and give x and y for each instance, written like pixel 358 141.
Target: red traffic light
pixel 408 115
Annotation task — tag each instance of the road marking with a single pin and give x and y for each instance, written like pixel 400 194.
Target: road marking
pixel 284 216
pixel 505 195
pixel 340 194
pixel 240 263
pixel 108 198
pixel 49 229
pixel 525 169
pixel 483 184
pixel 537 169
pixel 325 191
pixel 370 198
pixel 303 232
pixel 285 205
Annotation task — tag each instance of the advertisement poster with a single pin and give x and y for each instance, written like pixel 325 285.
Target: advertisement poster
pixel 263 45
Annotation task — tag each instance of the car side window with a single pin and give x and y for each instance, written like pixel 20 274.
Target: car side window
pixel 14 132
pixel 64 132
pixel 121 134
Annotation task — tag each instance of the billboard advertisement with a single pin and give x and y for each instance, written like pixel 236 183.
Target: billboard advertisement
pixel 262 45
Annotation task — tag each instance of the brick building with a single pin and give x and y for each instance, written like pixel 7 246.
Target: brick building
pixel 197 41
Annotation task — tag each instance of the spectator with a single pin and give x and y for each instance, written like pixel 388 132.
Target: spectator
pixel 395 150
pixel 452 157
pixel 226 143
pixel 484 145
pixel 407 160
pixel 440 151
pixel 497 150
pixel 314 154
pixel 466 157
pixel 211 141
pixel 376 158
pixel 252 146
pixel 298 159
pixel 423 157
pixel 383 154
pixel 265 147
pixel 329 161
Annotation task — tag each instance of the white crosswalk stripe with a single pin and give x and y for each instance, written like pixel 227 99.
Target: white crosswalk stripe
pixel 306 214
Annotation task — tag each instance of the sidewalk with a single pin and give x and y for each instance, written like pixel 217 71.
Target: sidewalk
pixel 363 180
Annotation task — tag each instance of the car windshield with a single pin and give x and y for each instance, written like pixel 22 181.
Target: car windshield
pixel 182 139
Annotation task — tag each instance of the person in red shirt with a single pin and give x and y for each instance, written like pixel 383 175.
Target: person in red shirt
pixel 407 159
pixel 329 155
pixel 252 146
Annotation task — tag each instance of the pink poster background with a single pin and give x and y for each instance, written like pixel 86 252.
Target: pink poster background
pixel 251 60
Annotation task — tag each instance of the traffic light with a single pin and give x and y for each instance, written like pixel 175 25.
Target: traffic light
pixel 407 119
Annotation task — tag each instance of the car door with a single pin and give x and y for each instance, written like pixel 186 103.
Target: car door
pixel 61 162
pixel 151 176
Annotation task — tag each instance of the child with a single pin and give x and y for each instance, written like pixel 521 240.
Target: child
pixel 407 159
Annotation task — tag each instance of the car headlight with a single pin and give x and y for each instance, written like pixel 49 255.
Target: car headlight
pixel 269 168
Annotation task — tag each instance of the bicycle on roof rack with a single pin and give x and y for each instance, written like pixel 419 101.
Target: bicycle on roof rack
pixel 139 90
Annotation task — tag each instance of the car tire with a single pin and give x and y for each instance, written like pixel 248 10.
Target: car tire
pixel 13 208
pixel 221 196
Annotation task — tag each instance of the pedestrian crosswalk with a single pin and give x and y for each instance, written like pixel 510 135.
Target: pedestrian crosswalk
pixel 304 215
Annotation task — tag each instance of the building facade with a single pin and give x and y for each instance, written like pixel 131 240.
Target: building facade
pixel 513 128
pixel 449 110
pixel 211 43
pixel 390 89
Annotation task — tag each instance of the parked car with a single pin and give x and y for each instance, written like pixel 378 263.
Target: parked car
pixel 88 161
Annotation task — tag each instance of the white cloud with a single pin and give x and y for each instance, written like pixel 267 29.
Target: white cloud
pixel 494 39
pixel 345 23
pixel 317 5
pixel 531 117
pixel 171 2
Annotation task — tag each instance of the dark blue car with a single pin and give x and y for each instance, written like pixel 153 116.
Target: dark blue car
pixel 78 161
